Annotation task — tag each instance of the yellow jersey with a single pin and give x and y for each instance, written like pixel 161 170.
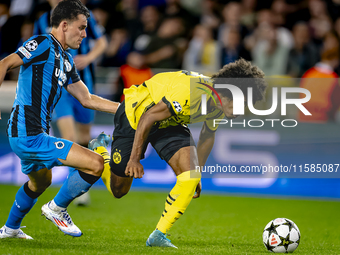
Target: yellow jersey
pixel 181 91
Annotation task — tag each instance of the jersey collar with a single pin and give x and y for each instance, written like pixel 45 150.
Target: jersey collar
pixel 55 39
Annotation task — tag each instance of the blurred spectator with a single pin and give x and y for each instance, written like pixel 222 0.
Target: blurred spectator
pixel 233 48
pixel 166 48
pixel 330 41
pixel 304 54
pixel 203 53
pixel 134 72
pixel 337 27
pixel 4 11
pixel 26 31
pixel 102 15
pixel 42 25
pixel 280 10
pixel 231 20
pixel 173 8
pixel 265 18
pixel 271 56
pixel 129 9
pixel 119 48
pixel 210 16
pixel 323 84
pixel 334 8
pixel 10 27
pixel 108 15
pixel 150 19
pixel 156 3
pixel 39 9
pixel 248 16
pixel 320 21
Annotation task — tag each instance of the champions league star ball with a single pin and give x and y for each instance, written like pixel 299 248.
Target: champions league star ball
pixel 281 236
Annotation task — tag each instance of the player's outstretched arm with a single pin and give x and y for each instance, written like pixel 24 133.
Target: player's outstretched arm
pixel 91 101
pixel 205 144
pixel 8 63
pixel 157 113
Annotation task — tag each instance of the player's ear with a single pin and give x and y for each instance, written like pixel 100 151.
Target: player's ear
pixel 64 26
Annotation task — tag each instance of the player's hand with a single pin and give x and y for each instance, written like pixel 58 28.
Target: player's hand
pixel 81 61
pixel 134 169
pixel 198 190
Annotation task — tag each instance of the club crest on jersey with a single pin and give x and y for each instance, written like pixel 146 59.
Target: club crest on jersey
pixel 61 76
pixel 177 106
pixel 60 145
pixel 31 45
pixel 68 66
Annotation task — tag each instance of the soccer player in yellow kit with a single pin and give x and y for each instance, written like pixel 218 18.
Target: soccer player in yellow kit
pixel 157 112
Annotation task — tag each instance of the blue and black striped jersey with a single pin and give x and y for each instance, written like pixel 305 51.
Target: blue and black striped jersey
pixel 46 69
pixel 93 32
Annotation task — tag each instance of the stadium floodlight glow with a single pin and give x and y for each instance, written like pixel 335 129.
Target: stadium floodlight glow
pixel 238 100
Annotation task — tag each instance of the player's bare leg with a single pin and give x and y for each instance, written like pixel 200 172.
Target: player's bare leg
pixel 25 199
pixel 84 160
pixel 179 197
pixel 120 186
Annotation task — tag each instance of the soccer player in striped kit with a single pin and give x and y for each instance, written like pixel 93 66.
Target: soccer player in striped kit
pixel 73 120
pixel 46 67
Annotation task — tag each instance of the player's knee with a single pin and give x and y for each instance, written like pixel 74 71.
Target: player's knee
pixel 117 193
pixel 42 185
pixel 98 166
pixel 120 191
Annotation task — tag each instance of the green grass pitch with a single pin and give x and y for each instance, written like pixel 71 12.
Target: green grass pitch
pixel 211 225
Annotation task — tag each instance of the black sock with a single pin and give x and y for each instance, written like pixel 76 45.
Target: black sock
pixel 31 193
pixel 89 178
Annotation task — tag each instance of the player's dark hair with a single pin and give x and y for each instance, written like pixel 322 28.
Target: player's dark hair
pixel 68 10
pixel 242 74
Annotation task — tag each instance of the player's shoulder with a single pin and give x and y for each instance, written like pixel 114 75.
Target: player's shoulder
pixel 39 38
pixel 37 43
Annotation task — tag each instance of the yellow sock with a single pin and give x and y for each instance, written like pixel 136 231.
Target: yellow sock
pixel 106 175
pixel 178 199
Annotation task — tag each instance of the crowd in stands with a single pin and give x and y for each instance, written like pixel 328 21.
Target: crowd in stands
pixel 282 37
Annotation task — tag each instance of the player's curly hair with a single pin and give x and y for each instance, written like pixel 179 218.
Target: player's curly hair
pixel 68 10
pixel 242 74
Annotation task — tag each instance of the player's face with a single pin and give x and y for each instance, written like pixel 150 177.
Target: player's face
pixel 76 32
pixel 227 107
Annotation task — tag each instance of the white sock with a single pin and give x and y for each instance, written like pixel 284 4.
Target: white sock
pixel 52 205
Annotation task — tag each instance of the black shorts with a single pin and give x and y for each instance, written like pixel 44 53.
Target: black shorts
pixel 166 141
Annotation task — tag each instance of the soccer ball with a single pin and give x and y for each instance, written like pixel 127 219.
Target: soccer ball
pixel 281 236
